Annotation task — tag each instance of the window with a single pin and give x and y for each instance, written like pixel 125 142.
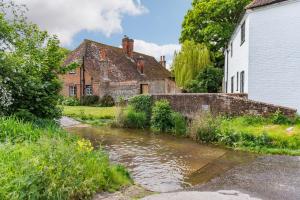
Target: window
pixel 232 84
pixel 88 90
pixel 237 81
pixel 72 91
pixel 231 49
pixel 243 33
pixel 242 84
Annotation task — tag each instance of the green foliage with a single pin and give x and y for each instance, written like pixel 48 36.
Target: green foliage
pixel 161 120
pixel 30 62
pixel 253 133
pixel 89 100
pixel 212 22
pixel 279 118
pixel 55 169
pixel 189 62
pixel 142 103
pixel 41 161
pixel 205 127
pixel 136 119
pixel 179 124
pixel 25 115
pixel 70 101
pixel 14 130
pixel 209 80
pixel 107 101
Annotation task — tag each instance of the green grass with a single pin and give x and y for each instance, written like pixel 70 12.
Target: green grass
pixel 40 161
pixel 89 112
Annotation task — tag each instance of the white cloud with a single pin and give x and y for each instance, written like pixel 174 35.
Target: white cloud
pixel 65 18
pixel 156 50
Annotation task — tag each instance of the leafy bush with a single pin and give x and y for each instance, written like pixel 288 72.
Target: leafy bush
pixel 209 80
pixel 55 169
pixel 205 127
pixel 135 119
pixel 70 101
pixel 161 119
pixel 179 124
pixel 30 61
pixel 142 103
pixel 279 118
pixel 107 101
pixel 25 115
pixel 89 100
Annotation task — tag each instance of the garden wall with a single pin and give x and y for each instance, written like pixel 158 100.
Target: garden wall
pixel 190 104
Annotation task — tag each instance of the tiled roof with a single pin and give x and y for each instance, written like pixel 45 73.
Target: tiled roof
pixel 260 3
pixel 121 68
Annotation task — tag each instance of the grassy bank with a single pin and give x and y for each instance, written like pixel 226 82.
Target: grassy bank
pixel 91 115
pixel 41 161
pixel 256 134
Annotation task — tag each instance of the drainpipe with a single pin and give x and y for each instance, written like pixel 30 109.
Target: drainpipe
pixel 226 84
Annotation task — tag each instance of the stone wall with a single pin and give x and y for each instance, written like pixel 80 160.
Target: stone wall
pixel 190 104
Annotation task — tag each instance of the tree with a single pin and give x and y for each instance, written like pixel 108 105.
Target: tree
pixel 212 22
pixel 30 62
pixel 209 80
pixel 189 62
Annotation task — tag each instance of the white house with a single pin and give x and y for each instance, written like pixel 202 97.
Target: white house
pixel 263 55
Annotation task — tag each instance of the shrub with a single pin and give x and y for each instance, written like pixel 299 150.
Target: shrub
pixel 25 115
pixel 107 101
pixel 205 127
pixel 142 103
pixel 89 100
pixel 70 101
pixel 135 119
pixel 279 118
pixel 179 124
pixel 161 119
pixel 55 169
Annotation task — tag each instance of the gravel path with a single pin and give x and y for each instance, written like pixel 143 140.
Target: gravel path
pixel 67 122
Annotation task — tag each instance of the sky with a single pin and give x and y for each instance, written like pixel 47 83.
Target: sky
pixel 154 24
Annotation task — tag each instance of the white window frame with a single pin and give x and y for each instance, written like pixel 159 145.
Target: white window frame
pixel 72 90
pixel 88 90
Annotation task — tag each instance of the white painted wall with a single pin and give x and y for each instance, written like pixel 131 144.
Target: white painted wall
pixel 274 54
pixel 239 61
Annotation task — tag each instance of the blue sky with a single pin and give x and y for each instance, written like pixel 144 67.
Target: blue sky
pixel 160 25
pixel 154 24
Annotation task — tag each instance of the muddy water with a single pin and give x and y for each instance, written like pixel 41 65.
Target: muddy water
pixel 163 163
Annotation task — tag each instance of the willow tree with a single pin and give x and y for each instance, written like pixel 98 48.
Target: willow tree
pixel 189 62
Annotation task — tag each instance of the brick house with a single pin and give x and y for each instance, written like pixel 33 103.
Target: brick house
pixel 118 72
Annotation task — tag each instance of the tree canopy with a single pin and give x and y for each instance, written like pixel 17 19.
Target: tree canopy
pixel 212 22
pixel 30 62
pixel 189 62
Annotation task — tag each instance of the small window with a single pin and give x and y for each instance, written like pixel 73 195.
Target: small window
pixel 237 81
pixel 242 84
pixel 72 91
pixel 231 49
pixel 243 33
pixel 232 84
pixel 88 90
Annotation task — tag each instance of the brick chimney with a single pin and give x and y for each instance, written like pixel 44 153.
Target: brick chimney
pixel 128 45
pixel 103 54
pixel 163 61
pixel 140 64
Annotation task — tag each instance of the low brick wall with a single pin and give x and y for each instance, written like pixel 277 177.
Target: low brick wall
pixel 190 104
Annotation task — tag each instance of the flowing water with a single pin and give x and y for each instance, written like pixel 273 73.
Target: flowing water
pixel 163 163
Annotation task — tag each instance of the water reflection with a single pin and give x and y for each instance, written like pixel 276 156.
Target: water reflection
pixel 162 163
